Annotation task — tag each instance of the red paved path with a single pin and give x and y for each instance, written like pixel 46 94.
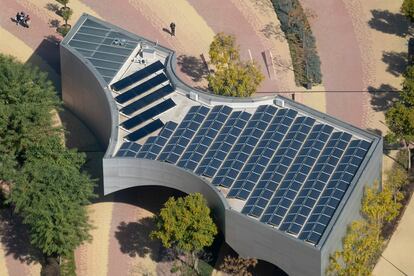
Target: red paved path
pixel 341 60
pixel 230 20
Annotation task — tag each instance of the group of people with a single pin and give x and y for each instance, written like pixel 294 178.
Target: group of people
pixel 23 19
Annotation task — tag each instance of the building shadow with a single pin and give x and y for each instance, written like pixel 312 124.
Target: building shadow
pixel 143 197
pixel 134 240
pixel 47 58
pixel 192 66
pixel 14 237
pixel 388 22
pixel 396 62
pixel 383 97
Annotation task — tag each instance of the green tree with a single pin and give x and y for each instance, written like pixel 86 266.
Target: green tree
pixel 397 178
pixel 236 80
pixel 407 93
pixel 50 193
pixel 223 50
pixel 27 99
pixel 400 121
pixel 380 207
pixel 407 9
pixel 361 248
pixel 66 15
pixel 63 2
pixel 232 77
pixel 185 224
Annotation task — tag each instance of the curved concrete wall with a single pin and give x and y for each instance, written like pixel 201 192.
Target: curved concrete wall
pixel 84 94
pixel 123 173
pixel 247 236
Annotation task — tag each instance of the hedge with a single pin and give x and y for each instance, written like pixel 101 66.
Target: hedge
pixel 305 59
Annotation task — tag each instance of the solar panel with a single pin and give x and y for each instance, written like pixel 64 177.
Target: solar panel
pixel 183 134
pixel 141 88
pixel 148 114
pixel 144 131
pixel 316 183
pixel 244 146
pixel 335 190
pixel 152 148
pixel 223 143
pixel 150 98
pixel 128 149
pixel 277 168
pixel 94 42
pixel 262 154
pixel 204 137
pixel 297 175
pixel 137 76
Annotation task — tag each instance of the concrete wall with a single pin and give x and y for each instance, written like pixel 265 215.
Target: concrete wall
pixel 371 171
pixel 247 236
pixel 251 238
pixel 84 95
pixel 123 173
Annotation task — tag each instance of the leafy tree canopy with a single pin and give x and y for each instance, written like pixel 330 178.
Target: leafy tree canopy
pixel 407 9
pixel 185 223
pixel 223 50
pixel 27 99
pixel 407 93
pixel 400 121
pixel 360 249
pixel 49 193
pixel 232 77
pixel 236 80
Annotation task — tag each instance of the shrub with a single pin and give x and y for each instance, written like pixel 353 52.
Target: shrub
pixel 294 24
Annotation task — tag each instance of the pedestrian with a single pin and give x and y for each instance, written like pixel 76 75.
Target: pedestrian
pixel 18 18
pixel 172 26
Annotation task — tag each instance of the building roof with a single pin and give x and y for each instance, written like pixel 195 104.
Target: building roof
pixel 276 161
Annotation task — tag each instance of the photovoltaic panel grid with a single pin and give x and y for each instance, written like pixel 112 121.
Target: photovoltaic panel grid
pixel 105 48
pixel 289 170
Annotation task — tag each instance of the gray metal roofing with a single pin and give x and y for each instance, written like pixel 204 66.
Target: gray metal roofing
pixel 106 49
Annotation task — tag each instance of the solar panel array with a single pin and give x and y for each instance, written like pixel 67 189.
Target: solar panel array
pixel 289 170
pixel 105 49
pixel 143 96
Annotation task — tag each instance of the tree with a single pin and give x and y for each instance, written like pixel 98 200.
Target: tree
pixel 380 207
pixel 66 15
pixel 185 224
pixel 396 180
pixel 63 2
pixel 223 50
pixel 407 9
pixel 400 121
pixel 237 266
pixel 407 93
pixel 50 194
pixel 27 100
pixel 232 77
pixel 361 247
pixel 236 80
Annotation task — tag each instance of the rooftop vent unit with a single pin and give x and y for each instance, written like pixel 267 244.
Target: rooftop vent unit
pixel 194 96
pixel 279 102
pixel 119 42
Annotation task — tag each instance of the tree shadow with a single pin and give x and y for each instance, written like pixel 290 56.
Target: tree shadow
pixel 383 97
pixel 134 240
pixel 388 22
pixel 14 237
pixel 54 23
pixel 396 62
pixel 52 7
pixel 193 67
pixel 271 30
pixel 47 58
pixel 168 31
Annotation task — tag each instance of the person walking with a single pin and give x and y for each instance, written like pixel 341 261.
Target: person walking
pixel 18 18
pixel 172 26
